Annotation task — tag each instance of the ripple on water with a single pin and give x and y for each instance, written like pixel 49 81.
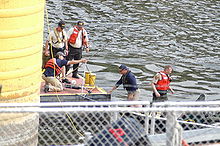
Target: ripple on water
pixel 146 35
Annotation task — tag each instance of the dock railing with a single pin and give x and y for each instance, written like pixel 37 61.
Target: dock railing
pixel 114 123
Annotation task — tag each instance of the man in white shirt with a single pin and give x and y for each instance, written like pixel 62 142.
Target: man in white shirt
pixel 57 41
pixel 77 40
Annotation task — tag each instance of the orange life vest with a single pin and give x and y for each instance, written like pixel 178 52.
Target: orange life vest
pixel 164 83
pixel 75 34
pixel 52 64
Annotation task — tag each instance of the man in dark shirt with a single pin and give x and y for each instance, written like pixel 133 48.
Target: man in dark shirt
pixel 129 83
pixel 53 68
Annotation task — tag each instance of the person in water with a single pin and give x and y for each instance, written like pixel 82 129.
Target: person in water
pixel 129 83
pixel 161 84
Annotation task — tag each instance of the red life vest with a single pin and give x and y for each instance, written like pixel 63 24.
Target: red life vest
pixel 164 83
pixel 52 64
pixel 75 34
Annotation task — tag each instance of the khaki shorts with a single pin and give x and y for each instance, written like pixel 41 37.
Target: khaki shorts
pixel 134 96
pixel 54 84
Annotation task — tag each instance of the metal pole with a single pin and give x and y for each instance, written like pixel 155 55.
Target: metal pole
pixel 152 127
pixel 146 122
pixel 115 115
pixel 173 131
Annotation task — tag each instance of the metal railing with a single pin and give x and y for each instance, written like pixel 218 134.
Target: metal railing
pixel 110 123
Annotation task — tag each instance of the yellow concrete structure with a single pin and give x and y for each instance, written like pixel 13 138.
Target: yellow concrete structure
pixel 21 39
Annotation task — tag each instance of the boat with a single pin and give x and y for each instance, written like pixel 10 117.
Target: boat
pixel 77 90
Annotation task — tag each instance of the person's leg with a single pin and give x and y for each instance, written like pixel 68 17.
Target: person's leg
pixel 45 79
pixel 163 97
pixel 134 96
pixel 54 84
pixel 130 96
pixel 69 57
pixel 155 98
pixel 77 56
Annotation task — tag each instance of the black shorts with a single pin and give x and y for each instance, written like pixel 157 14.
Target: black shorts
pixel 163 96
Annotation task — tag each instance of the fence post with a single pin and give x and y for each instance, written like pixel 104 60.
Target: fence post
pixel 114 116
pixel 146 122
pixel 152 127
pixel 173 131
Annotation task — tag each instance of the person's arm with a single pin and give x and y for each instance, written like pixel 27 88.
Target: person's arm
pixel 116 86
pixel 66 44
pixel 47 46
pixel 66 51
pixel 63 72
pixel 77 61
pixel 46 50
pixel 87 49
pixel 113 88
pixel 86 41
pixel 155 90
pixel 154 81
pixel 172 91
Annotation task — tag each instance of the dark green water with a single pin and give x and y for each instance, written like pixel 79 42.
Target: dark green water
pixel 147 35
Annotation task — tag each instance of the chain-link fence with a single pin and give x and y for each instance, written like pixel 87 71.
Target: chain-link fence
pixel 110 123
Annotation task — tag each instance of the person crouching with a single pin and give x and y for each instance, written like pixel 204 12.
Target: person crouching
pixel 53 68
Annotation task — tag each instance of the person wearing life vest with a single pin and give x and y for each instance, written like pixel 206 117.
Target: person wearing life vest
pixel 161 84
pixel 129 83
pixel 77 41
pixel 57 41
pixel 53 68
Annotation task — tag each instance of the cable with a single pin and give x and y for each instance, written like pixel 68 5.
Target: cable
pixel 87 59
pixel 51 51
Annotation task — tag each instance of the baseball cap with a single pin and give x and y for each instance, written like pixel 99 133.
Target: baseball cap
pixel 61 24
pixel 60 54
pixel 122 66
pixel 80 23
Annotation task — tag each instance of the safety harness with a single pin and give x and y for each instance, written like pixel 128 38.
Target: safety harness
pixel 59 40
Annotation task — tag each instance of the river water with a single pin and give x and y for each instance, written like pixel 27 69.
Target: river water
pixel 146 35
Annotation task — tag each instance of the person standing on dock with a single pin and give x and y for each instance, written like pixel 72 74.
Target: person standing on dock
pixel 161 84
pixel 57 41
pixel 53 68
pixel 129 83
pixel 78 40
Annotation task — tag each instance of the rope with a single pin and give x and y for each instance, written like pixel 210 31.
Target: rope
pixel 51 51
pixel 48 28
pixel 86 64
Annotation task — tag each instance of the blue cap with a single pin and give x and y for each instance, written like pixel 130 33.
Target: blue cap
pixel 123 67
pixel 61 24
pixel 80 23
